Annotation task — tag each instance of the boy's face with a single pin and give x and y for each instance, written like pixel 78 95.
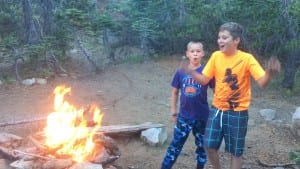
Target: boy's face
pixel 195 53
pixel 227 43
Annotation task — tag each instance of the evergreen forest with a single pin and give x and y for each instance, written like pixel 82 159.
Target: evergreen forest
pixel 41 33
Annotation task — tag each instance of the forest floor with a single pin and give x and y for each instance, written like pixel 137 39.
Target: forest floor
pixel 138 93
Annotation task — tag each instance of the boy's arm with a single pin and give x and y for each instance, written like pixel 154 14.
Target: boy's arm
pixel 273 67
pixel 174 100
pixel 202 79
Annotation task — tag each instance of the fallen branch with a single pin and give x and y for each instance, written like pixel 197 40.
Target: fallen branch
pixel 22 121
pixel 264 164
pixel 85 52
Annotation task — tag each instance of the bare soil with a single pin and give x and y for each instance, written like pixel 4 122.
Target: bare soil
pixel 138 93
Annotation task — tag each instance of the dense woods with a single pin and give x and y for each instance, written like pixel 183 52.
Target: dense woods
pixel 41 32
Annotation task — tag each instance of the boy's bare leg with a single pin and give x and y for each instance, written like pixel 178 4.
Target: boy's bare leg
pixel 213 158
pixel 236 162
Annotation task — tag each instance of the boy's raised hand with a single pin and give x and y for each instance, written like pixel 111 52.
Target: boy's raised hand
pixel 184 64
pixel 273 65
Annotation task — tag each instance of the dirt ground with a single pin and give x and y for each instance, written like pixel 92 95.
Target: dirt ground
pixel 138 93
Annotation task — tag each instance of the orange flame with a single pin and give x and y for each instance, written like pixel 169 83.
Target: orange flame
pixel 67 129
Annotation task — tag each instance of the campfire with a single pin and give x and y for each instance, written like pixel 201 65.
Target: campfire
pixel 67 128
pixel 71 137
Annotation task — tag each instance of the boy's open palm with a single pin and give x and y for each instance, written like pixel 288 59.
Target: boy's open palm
pixel 273 65
pixel 184 65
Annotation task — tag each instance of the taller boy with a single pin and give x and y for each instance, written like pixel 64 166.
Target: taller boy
pixel 232 69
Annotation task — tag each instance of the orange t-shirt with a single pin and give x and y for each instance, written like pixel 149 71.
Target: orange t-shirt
pixel 233 79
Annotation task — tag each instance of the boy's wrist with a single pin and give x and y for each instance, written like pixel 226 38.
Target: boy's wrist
pixel 190 71
pixel 174 114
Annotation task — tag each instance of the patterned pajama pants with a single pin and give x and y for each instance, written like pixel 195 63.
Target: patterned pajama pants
pixel 181 132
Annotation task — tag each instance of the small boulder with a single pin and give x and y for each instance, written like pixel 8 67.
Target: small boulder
pixel 268 114
pixel 296 122
pixel 41 81
pixel 28 82
pixel 154 136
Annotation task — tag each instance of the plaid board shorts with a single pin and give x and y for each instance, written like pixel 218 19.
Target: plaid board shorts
pixel 230 125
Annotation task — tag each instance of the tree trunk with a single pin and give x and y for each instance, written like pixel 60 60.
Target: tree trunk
pixel 290 70
pixel 181 12
pixel 47 16
pixel 108 46
pixel 31 32
pixel 291 55
pixel 169 28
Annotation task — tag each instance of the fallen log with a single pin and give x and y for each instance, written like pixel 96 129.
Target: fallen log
pixel 127 129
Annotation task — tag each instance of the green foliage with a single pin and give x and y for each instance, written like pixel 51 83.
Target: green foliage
pixel 9 42
pixel 4 18
pixel 35 52
pixel 277 80
pixel 297 83
pixel 73 17
pixel 134 58
pixel 295 156
pixel 163 26
pixel 10 15
pixel 101 22
pixel 7 79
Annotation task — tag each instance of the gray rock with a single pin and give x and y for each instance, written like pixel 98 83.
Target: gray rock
pixel 154 136
pixel 28 82
pixel 296 122
pixel 268 114
pixel 41 81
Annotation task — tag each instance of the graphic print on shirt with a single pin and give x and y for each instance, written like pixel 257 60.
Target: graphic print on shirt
pixel 190 86
pixel 232 81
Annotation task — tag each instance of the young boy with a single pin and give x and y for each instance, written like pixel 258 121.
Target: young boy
pixel 232 69
pixel 193 111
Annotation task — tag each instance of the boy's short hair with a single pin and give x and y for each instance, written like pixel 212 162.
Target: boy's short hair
pixel 237 31
pixel 193 42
